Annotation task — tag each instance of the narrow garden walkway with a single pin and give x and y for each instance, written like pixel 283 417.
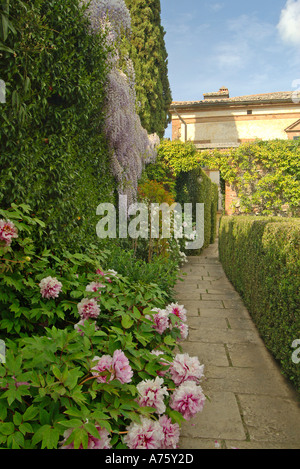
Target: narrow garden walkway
pixel 251 405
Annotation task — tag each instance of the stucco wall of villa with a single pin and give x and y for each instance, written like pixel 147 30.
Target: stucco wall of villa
pixel 219 121
pixel 234 125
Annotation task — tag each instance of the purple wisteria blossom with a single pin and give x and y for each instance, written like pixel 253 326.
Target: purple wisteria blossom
pixel 114 11
pixel 130 146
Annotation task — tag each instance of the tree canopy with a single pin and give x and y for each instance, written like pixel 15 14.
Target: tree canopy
pixel 149 55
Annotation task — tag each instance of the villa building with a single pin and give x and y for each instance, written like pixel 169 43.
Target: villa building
pixel 219 121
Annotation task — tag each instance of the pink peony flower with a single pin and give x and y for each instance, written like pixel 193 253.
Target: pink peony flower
pixel 103 442
pixel 122 369
pixel 145 435
pixel 186 368
pixel 8 231
pixel 88 308
pixel 94 287
pixel 184 330
pixel 105 363
pixel 151 394
pixel 117 366
pixel 188 399
pixel 160 320
pixel 178 310
pixel 110 273
pixel 171 432
pixel 50 287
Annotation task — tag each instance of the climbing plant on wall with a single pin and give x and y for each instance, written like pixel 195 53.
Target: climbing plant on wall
pixel 130 146
pixel 53 152
pixel 265 175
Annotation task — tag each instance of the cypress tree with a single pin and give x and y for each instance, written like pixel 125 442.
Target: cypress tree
pixel 149 56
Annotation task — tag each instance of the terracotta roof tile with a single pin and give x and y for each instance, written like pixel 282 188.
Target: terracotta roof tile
pixel 279 95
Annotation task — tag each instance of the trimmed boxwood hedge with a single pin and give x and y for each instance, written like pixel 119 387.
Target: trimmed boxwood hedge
pixel 196 187
pixel 260 256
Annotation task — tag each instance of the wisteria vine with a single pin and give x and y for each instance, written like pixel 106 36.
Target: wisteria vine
pixel 130 145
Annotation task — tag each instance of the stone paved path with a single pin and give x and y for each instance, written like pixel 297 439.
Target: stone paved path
pixel 251 406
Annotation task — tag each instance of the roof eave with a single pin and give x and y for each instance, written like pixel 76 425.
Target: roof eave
pixel 202 104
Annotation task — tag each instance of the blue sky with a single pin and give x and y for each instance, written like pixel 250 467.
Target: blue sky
pixel 248 47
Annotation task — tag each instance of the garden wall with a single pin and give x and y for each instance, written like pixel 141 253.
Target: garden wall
pixel 261 258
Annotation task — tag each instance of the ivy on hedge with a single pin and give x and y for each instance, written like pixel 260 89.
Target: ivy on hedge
pixel 260 256
pixel 179 170
pixel 53 153
pixel 196 187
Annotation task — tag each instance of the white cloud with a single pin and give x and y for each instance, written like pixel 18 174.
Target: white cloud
pixel 230 55
pixel 216 6
pixel 289 23
pixel 245 42
pixel 249 28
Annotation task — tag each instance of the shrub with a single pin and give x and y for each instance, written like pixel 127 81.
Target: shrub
pixel 129 144
pixel 214 209
pixel 84 377
pixel 158 239
pixel 131 260
pixel 53 152
pixel 154 192
pixel 264 174
pixel 195 187
pixel 178 169
pixel 261 258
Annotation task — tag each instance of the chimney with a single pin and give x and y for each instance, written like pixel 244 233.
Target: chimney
pixel 223 93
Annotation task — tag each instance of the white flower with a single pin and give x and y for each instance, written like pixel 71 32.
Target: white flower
pixel 152 394
pixel 186 368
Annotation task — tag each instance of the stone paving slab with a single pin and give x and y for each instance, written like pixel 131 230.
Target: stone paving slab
pixel 222 312
pixel 208 355
pixel 208 424
pixel 247 381
pixel 271 418
pixel 251 405
pixel 223 336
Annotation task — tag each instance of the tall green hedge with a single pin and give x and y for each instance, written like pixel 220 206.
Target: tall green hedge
pixel 261 258
pixel 196 187
pixel 53 154
pixel 214 209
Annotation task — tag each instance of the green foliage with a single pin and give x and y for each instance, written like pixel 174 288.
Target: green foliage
pixel 261 258
pixel 148 52
pixel 48 388
pixel 265 175
pixel 47 385
pixel 131 259
pixel 154 192
pixel 23 310
pixel 178 156
pixel 214 209
pixel 178 168
pixel 197 188
pixel 53 153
